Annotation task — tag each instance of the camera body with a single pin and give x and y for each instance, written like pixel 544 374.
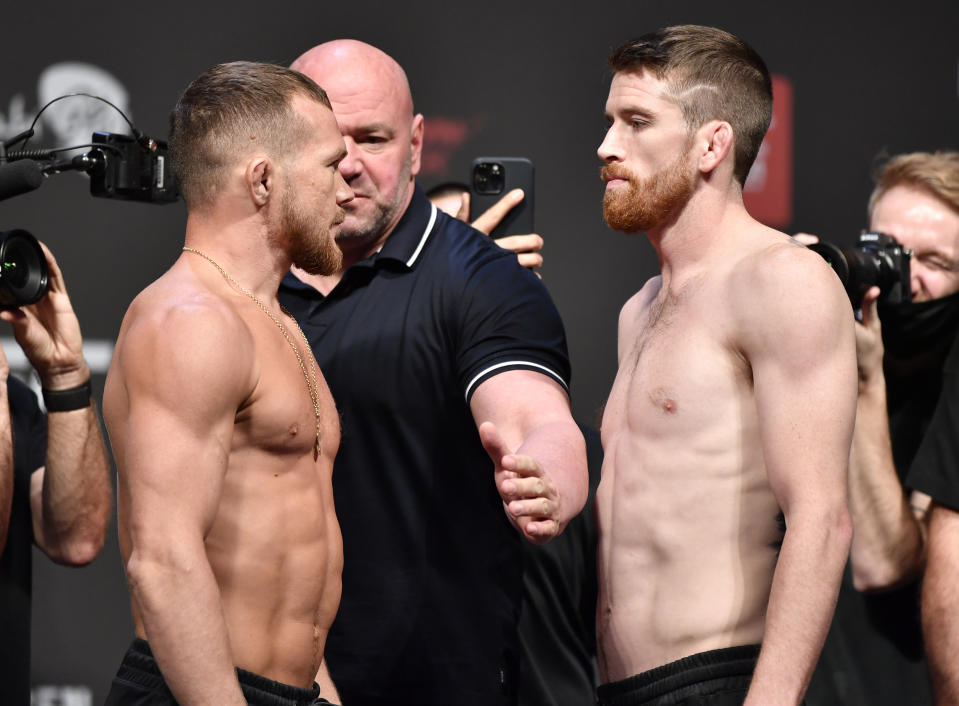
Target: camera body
pixel 876 260
pixel 131 169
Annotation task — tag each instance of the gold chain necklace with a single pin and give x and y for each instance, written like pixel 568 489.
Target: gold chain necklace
pixel 310 384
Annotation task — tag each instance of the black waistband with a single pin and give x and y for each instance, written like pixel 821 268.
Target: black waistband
pixel 714 664
pixel 139 667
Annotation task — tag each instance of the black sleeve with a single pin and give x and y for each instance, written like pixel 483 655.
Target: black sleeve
pixel 507 321
pixel 29 427
pixel 935 469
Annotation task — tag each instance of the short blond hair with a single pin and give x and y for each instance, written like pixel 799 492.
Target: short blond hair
pixel 936 173
pixel 220 110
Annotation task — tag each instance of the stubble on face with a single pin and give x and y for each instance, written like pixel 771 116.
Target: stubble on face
pixel 369 229
pixel 311 247
pixel 647 202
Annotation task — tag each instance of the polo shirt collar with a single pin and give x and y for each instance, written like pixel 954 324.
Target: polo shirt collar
pixel 405 244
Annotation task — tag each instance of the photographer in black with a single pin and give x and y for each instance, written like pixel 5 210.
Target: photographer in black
pixel 55 490
pixel 874 652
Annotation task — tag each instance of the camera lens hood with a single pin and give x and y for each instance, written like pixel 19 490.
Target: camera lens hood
pixel 23 269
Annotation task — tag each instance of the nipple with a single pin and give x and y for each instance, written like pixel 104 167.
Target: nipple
pixel 661 399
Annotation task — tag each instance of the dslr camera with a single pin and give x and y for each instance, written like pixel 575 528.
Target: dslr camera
pixel 876 260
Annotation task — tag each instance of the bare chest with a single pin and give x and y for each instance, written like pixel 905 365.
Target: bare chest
pixel 290 405
pixel 679 374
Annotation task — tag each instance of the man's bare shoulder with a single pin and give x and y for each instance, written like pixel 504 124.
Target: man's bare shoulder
pixel 781 287
pixel 178 332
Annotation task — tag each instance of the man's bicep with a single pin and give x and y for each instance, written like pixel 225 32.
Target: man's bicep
pixel 805 385
pixel 182 394
pixel 519 400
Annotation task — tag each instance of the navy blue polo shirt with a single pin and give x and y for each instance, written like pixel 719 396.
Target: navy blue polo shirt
pixel 432 576
pixel 29 431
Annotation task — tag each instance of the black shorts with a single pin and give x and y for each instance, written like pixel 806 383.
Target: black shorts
pixel 139 682
pixel 714 678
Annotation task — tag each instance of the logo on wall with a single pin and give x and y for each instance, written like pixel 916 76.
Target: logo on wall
pixel 73 120
pixel 442 137
pixel 769 186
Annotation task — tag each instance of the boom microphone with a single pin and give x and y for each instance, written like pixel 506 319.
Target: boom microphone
pixel 19 178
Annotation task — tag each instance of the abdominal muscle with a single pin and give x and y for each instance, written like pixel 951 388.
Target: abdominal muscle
pixel 688 523
pixel 276 552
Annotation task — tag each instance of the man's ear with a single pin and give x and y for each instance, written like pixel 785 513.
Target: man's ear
pixel 416 144
pixel 260 179
pixel 715 140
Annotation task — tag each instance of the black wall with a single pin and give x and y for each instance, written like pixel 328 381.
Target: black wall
pixel 525 79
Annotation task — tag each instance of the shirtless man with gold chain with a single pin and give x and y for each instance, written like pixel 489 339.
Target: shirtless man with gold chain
pixel 223 428
pixel 722 508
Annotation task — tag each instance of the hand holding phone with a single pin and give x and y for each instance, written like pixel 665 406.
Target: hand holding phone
pixel 492 178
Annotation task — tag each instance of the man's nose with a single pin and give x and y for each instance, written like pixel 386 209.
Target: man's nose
pixel 351 165
pixel 609 149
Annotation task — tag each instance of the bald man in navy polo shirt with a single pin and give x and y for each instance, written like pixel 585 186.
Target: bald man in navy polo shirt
pixel 448 364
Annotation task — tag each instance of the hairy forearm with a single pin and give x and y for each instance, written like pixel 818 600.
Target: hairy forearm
pixel 888 542
pixel 940 604
pixel 178 601
pixel 561 450
pixel 76 494
pixel 801 605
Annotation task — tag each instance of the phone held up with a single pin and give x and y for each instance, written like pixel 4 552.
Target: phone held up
pixel 492 178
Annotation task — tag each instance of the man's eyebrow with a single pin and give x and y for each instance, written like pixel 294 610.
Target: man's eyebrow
pixel 630 111
pixel 375 127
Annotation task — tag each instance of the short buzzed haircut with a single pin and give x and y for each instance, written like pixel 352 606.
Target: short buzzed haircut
pixel 711 75
pixel 224 112
pixel 936 173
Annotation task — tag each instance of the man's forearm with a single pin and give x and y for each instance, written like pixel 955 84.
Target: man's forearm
pixel 75 490
pixel 940 604
pixel 178 600
pixel 888 544
pixel 801 605
pixel 561 450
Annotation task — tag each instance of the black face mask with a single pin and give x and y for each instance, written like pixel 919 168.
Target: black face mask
pixel 911 329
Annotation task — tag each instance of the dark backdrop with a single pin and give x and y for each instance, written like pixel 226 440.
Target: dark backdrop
pixel 503 78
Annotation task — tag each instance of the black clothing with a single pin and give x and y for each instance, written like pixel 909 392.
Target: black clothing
pixel 29 453
pixel 714 678
pixel 432 571
pixel 139 682
pixel 557 625
pixel 935 470
pixel 873 655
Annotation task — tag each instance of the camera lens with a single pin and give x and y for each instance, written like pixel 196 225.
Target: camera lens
pixel 23 269
pixel 488 178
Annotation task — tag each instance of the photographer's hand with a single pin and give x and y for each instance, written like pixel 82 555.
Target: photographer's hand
pixel 71 494
pixel 869 347
pixel 49 334
pixel 526 247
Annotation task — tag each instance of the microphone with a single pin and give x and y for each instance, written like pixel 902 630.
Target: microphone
pixel 19 178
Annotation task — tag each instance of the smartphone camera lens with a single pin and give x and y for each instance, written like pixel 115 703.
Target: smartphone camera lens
pixel 488 178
